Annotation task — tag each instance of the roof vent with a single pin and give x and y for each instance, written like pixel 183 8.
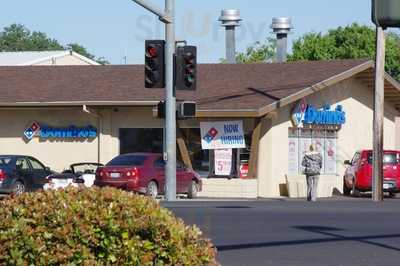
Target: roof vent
pixel 230 19
pixel 281 27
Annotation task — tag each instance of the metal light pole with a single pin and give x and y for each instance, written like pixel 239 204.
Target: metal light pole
pixel 168 17
pixel 377 193
pixel 170 105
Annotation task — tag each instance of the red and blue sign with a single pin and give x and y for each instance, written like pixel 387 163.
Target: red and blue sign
pixel 71 132
pixel 211 134
pixel 307 114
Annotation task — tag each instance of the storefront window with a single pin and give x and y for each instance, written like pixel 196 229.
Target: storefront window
pixel 198 156
pixel 323 140
pixel 141 140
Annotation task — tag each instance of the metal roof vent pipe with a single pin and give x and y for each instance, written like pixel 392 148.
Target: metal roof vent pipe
pixel 281 27
pixel 230 19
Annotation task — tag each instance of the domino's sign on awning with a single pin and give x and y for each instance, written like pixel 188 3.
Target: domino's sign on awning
pixel 222 135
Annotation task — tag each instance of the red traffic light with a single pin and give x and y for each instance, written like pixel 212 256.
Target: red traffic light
pixel 151 51
pixel 154 64
pixel 186 67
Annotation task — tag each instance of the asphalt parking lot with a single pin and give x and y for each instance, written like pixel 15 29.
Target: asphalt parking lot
pixel 334 231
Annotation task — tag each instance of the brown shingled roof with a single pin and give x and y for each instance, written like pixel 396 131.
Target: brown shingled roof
pixel 220 86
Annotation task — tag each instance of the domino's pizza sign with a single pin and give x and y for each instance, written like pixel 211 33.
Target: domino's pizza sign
pixel 222 135
pixel 308 115
pixel 71 132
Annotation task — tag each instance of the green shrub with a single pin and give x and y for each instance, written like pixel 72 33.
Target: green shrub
pixel 96 227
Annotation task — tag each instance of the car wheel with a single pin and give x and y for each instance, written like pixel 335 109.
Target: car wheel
pixel 392 194
pixel 354 191
pixel 18 188
pixel 346 190
pixel 152 189
pixel 193 190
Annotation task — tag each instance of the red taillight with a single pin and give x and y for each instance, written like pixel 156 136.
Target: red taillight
pixel 2 175
pixel 134 173
pixel 100 173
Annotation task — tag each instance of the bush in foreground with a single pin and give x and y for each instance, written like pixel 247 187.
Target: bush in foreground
pixel 96 227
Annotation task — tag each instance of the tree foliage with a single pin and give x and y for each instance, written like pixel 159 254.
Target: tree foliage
pixel 17 37
pixel 351 42
pixel 259 52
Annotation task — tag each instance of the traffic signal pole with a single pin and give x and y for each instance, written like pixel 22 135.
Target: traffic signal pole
pixel 377 192
pixel 168 17
pixel 170 103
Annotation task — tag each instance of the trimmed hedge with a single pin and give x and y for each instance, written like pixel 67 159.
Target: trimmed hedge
pixel 96 227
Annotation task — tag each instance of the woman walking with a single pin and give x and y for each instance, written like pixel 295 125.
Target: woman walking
pixel 312 163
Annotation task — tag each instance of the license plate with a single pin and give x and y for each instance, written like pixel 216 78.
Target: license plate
pixel 115 175
pixel 62 181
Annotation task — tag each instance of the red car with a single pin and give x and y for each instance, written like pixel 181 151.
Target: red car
pixel 145 173
pixel 358 175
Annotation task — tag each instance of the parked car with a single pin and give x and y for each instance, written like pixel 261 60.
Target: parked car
pixel 78 173
pixel 19 173
pixel 358 175
pixel 144 173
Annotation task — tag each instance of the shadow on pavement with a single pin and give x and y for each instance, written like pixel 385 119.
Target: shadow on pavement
pixel 322 230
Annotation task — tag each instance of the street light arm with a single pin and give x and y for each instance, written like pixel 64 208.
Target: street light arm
pixel 163 16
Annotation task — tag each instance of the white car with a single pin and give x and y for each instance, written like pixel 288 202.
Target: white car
pixel 77 174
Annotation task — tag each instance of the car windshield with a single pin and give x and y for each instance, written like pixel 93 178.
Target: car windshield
pixel 88 168
pixel 388 158
pixel 127 160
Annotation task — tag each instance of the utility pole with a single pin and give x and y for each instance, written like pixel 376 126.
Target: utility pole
pixel 167 16
pixel 377 192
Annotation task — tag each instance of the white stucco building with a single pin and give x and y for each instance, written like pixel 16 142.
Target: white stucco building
pixel 113 101
pixel 38 58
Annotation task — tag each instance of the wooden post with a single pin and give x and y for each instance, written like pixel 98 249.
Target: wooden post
pixel 183 148
pixel 255 140
pixel 377 193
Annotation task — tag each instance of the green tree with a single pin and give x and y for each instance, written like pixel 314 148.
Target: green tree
pixel 17 37
pixel 259 52
pixel 353 41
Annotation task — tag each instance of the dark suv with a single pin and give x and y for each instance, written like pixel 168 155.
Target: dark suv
pixel 19 173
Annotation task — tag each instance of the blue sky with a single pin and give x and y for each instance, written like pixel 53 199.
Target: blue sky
pixel 117 28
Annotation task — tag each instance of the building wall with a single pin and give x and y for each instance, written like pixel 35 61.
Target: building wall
pixel 357 101
pixel 57 154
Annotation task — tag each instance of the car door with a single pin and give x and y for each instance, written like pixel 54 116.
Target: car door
pixel 39 173
pixel 182 177
pixel 159 170
pixel 23 172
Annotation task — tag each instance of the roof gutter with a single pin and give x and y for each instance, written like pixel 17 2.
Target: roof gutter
pixel 79 103
pixel 85 105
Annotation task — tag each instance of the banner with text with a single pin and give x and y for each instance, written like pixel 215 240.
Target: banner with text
pixel 223 162
pixel 222 135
